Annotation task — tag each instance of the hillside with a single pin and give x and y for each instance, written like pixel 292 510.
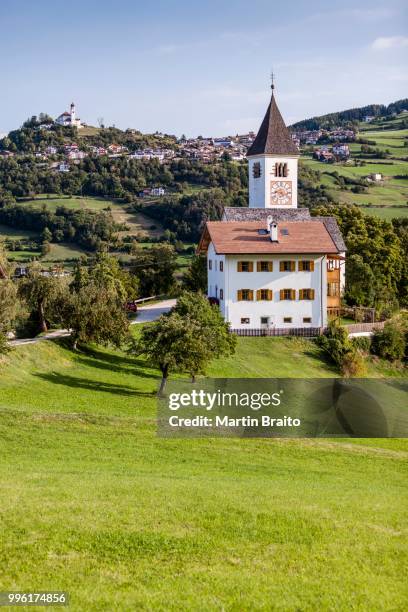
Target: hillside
pixel 352 115
pixel 95 503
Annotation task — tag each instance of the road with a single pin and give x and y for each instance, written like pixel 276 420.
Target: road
pixel 151 312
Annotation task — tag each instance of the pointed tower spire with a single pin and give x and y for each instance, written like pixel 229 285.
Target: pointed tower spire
pixel 273 137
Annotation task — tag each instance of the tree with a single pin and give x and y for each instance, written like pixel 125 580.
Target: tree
pixel 94 310
pixel 360 282
pixel 377 244
pixel 186 339
pixel 167 343
pixel 8 300
pixel 195 279
pixel 212 335
pixel 155 269
pixel 40 292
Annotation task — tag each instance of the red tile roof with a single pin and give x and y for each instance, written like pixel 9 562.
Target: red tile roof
pixel 237 237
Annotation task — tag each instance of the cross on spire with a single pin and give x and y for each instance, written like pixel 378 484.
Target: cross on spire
pixel 272 80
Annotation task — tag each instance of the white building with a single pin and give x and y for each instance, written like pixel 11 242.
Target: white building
pixel 69 119
pixel 272 265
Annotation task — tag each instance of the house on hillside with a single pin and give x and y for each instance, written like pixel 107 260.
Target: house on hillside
pixel 272 267
pixel 341 150
pixel 69 119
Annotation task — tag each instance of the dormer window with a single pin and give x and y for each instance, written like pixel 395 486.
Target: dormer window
pixel 281 169
pixel 256 170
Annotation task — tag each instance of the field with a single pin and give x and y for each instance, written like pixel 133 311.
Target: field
pixel 92 502
pixel 386 199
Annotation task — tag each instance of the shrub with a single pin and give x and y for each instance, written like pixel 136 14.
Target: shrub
pixel 390 342
pixel 352 365
pixel 335 342
pixel 361 343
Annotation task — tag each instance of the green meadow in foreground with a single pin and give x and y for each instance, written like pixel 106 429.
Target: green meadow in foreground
pixel 92 502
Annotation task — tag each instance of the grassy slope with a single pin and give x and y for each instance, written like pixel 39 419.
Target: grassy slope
pixel 91 501
pixel 387 199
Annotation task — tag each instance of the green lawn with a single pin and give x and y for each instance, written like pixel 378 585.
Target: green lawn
pixel 92 502
pixel 390 192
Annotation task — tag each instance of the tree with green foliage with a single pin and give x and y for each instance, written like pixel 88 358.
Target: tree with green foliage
pixel 8 299
pixel 213 338
pixel 360 282
pixel 40 292
pixel 186 339
pixel 94 309
pixel 155 268
pixel 195 279
pixel 378 246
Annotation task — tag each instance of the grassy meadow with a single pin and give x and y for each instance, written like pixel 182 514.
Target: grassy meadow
pixel 387 199
pixel 94 503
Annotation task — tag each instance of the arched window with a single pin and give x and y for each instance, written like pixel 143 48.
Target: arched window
pixel 281 169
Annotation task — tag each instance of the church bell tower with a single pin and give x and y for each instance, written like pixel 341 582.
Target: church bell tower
pixel 273 163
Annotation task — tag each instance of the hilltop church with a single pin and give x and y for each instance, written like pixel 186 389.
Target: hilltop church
pixel 271 266
pixel 69 119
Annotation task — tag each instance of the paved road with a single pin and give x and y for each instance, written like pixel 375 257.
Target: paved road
pixel 151 312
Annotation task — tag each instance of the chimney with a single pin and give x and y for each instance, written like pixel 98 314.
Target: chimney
pixel 273 229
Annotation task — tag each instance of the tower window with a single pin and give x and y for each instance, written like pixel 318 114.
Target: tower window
pixel 256 170
pixel 281 169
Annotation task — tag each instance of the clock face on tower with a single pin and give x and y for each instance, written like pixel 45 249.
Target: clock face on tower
pixel 281 193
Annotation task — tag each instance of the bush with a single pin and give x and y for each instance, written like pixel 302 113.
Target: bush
pixel 390 342
pixel 335 342
pixel 361 343
pixel 352 365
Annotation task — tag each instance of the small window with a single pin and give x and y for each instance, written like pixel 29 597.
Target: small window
pixel 221 266
pixel 281 170
pixel 264 266
pixel 287 266
pixel 221 294
pixel 245 295
pixel 245 266
pixel 256 170
pixel 287 319
pixel 287 294
pixel 264 320
pixel 210 264
pixel 307 319
pixel 245 321
pixel 306 294
pixel 307 265
pixel 264 294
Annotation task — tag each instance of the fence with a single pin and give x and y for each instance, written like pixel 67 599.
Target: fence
pixel 355 328
pixel 305 332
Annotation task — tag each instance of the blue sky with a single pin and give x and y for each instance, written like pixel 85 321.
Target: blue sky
pixel 183 66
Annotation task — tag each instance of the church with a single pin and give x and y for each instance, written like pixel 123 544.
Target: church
pixel 272 267
pixel 69 119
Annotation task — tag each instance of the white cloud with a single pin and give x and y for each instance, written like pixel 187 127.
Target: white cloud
pixel 390 42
